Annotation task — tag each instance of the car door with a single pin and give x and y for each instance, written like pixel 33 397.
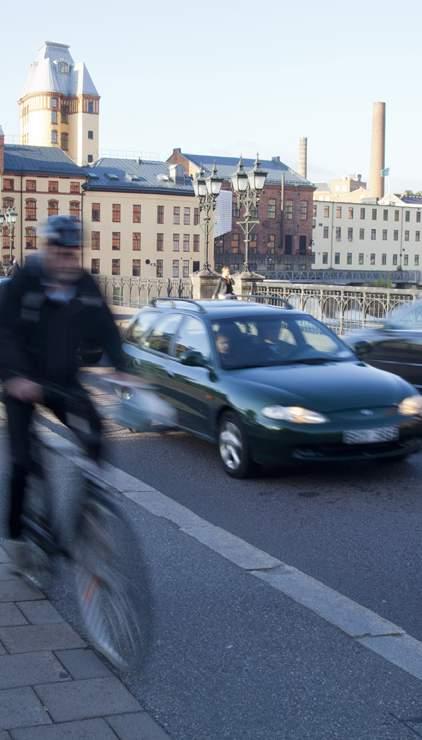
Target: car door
pixel 191 387
pixel 133 343
pixel 398 346
pixel 157 360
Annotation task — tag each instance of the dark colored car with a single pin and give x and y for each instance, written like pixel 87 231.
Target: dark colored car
pixel 270 385
pixel 396 345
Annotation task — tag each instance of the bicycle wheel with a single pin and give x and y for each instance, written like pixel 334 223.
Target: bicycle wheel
pixel 115 603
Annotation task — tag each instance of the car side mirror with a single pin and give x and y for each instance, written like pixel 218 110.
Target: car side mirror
pixel 193 358
pixel 362 349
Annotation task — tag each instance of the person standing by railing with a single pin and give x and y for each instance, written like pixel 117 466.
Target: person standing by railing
pixel 225 286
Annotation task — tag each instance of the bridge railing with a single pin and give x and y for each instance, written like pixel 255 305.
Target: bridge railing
pixel 136 292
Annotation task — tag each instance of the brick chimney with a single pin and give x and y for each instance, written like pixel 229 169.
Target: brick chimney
pixel 303 157
pixel 376 179
pixel 1 151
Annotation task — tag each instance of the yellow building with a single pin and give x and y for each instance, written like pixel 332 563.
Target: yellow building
pixel 60 105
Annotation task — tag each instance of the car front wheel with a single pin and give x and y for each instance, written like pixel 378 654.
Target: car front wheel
pixel 233 447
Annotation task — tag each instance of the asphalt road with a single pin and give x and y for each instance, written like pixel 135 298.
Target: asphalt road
pixel 236 659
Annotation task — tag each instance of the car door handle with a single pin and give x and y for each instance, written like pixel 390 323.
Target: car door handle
pixel 170 373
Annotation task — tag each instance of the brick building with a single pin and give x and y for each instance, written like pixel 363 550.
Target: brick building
pixel 283 238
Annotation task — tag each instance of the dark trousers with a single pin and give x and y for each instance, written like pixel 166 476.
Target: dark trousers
pixel 78 415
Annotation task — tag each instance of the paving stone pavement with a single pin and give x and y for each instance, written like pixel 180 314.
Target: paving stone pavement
pixel 52 685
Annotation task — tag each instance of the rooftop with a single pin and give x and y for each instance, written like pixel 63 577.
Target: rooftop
pixel 50 160
pixel 227 166
pixel 136 175
pixel 55 71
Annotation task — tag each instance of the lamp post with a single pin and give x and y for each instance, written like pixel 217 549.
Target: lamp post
pixel 207 190
pixel 8 217
pixel 248 187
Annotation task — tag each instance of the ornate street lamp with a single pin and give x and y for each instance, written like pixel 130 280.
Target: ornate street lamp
pixel 248 187
pixel 8 217
pixel 207 190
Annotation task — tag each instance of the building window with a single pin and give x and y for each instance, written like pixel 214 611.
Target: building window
pixel 53 186
pixel 90 108
pixel 31 209
pixel 90 158
pixel 95 266
pixel 185 272
pixel 396 235
pixel 288 244
pixel 361 259
pixel 31 186
pixel 407 216
pixel 235 243
pixel 418 217
pixel 302 244
pixel 160 242
pixel 136 214
pixel 136 241
pixel 195 266
pixel 176 214
pixel 385 214
pixel 361 234
pixel 8 203
pixel 175 268
pixel 75 188
pixel 160 214
pixel 326 211
pixel 289 210
pixel 136 268
pixel 176 242
pixel 186 242
pixel 235 210
pixel 350 234
pixel 338 211
pixel 338 233
pixel 195 216
pixel 115 240
pixel 395 259
pixel 196 242
pixel 159 271
pixel 406 260
pixel 75 209
pixel 384 259
pixel 54 136
pixel 373 235
pixel 314 210
pixel 95 240
pixel 374 214
pixel 349 258
pixel 8 184
pixel 303 212
pixel 64 141
pixel 96 212
pixel 337 258
pixel 350 212
pixel 396 215
pixel 186 216
pixel 116 212
pixel 406 236
pixel 115 267
pixel 65 114
pixel 384 235
pixel 271 208
pixel 90 135
pixel 325 258
pixel 325 232
pixel 53 208
pixel 53 102
pixel 416 260
pixel 30 238
pixel 372 258
pixel 417 236
pixel 362 214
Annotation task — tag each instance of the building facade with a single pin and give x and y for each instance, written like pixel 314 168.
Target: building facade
pixel 282 239
pixel 59 106
pixel 383 235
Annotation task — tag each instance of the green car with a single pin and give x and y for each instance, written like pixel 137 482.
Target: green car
pixel 270 385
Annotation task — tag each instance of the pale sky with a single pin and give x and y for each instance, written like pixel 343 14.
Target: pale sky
pixel 228 76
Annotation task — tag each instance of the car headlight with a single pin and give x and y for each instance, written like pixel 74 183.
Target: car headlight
pixel 295 414
pixel 411 406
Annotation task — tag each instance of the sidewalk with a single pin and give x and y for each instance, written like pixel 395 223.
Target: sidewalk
pixel 52 686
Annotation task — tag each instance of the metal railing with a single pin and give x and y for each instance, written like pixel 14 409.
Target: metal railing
pixel 136 292
pixel 341 308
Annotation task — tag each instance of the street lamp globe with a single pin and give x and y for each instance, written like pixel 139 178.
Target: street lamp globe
pixel 257 176
pixel 200 185
pixel 240 178
pixel 214 183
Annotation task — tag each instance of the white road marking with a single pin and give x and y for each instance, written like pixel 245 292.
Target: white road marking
pixel 362 625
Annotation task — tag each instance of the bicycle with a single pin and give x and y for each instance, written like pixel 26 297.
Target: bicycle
pixel 116 609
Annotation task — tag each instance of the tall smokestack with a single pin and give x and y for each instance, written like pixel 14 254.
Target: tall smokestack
pixel 1 151
pixel 376 179
pixel 303 157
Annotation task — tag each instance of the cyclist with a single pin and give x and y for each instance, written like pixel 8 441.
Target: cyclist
pixel 50 310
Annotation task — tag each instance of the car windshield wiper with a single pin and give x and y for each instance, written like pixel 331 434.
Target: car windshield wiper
pixel 319 360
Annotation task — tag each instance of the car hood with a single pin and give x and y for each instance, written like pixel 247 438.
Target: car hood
pixel 328 387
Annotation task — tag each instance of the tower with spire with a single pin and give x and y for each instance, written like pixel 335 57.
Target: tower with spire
pixel 60 105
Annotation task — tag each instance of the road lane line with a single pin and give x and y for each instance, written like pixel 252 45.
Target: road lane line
pixel 361 624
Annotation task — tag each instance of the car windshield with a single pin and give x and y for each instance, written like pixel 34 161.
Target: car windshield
pixel 264 341
pixel 407 316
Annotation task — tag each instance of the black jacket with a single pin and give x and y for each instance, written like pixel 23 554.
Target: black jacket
pixel 224 287
pixel 41 339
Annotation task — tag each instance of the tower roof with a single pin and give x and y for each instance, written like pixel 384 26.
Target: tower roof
pixel 55 71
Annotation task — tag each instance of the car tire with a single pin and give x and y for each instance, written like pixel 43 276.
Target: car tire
pixel 233 446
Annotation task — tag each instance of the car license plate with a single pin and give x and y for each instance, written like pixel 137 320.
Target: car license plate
pixel 371 436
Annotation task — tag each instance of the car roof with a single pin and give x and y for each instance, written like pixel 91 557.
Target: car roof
pixel 221 309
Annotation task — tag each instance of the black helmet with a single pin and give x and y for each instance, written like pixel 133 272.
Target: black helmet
pixel 63 231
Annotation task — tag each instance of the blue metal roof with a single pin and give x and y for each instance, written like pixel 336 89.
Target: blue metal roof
pixel 412 199
pixel 226 166
pixel 49 160
pixel 135 175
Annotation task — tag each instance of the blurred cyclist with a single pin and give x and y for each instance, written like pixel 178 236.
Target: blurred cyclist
pixel 49 310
